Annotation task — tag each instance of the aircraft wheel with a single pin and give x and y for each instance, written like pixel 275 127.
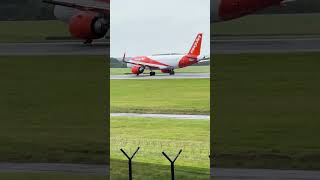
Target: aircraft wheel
pixel 171 72
pixel 88 41
pixel 152 73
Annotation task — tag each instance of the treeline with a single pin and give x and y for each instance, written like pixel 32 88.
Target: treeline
pixel 114 63
pixel 25 10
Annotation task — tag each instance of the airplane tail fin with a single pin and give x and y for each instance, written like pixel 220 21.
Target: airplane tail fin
pixel 196 46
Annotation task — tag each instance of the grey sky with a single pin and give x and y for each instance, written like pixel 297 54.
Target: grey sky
pixel 145 27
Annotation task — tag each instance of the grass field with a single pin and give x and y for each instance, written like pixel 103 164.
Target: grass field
pixel 266 110
pixel 52 109
pixel 31 31
pixel 177 96
pixel 48 176
pixel 155 135
pixel 269 24
pixel 190 69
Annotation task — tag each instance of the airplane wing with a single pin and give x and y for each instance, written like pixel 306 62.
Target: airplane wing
pixel 84 5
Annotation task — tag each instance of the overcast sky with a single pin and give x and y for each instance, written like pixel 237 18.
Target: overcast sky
pixel 145 27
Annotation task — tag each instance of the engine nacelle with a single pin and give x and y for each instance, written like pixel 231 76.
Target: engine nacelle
pixel 165 70
pixel 137 69
pixel 88 26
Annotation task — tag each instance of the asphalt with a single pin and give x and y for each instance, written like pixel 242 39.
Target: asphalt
pixel 216 173
pixel 170 116
pixel 234 45
pixel 265 45
pixel 54 168
pixel 163 76
pixel 53 48
pixel 263 174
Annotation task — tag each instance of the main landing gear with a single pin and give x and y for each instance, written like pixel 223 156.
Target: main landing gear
pixel 152 73
pixel 171 72
pixel 88 41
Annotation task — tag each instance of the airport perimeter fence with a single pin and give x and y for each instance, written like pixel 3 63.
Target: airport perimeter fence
pixel 195 152
pixel 171 161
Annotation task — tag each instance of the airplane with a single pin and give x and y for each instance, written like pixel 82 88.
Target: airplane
pixel 87 19
pixel 167 63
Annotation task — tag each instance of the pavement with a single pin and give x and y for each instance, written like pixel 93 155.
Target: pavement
pixel 54 48
pixel 163 76
pixel 216 173
pixel 54 168
pixel 263 174
pixel 265 45
pixel 170 116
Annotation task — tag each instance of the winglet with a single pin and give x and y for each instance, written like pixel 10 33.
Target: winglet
pixel 196 46
pixel 124 57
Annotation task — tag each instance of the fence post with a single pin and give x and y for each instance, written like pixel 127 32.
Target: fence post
pixel 172 162
pixel 130 161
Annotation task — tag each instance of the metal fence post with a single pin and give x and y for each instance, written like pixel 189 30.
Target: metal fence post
pixel 130 161
pixel 172 162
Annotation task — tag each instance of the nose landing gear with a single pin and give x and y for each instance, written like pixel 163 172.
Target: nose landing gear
pixel 152 73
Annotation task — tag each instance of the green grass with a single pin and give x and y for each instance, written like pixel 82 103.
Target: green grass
pixel 266 110
pixel 52 109
pixel 31 31
pixel 154 135
pixel 284 24
pixel 179 96
pixel 49 176
pixel 190 69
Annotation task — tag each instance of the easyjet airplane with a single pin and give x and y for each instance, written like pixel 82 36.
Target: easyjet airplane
pixel 167 63
pixel 87 19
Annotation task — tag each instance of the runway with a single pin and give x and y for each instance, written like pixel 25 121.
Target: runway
pixel 265 174
pixel 169 116
pixel 231 45
pixel 265 45
pixel 216 173
pixel 162 76
pixel 53 48
pixel 54 168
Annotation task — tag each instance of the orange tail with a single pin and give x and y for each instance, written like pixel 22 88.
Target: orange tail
pixel 196 47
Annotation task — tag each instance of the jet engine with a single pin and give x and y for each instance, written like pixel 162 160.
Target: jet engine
pixel 137 69
pixel 88 26
pixel 166 70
